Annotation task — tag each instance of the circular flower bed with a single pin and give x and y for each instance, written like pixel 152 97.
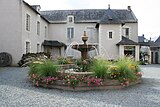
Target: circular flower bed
pixel 101 74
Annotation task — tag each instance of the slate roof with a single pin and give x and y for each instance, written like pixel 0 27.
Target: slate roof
pixel 53 43
pixel 141 38
pixel 126 41
pixel 158 41
pixel 91 15
pixel 145 43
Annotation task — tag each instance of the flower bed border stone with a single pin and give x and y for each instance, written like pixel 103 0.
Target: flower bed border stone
pixel 107 84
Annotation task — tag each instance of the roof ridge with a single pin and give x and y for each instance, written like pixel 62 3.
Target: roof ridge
pixel 72 10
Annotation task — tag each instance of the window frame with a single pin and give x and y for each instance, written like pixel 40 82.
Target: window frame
pixel 70 19
pixel 28 47
pixel 28 20
pixel 127 32
pixel 38 28
pixel 45 31
pixel 38 47
pixel 110 35
pixel 70 32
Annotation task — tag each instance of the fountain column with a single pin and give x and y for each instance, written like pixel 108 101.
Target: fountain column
pixel 84 48
pixel 84 52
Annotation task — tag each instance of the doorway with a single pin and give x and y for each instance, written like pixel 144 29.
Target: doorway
pixel 156 58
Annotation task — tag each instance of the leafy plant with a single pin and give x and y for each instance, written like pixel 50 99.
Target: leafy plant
pixel 127 68
pixel 63 60
pixel 100 68
pixel 47 68
pixel 113 73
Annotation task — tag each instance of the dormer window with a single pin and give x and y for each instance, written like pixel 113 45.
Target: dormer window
pixel 70 19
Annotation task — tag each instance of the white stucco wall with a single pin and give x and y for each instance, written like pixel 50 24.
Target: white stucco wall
pixel 59 32
pixel 13 34
pixel 133 31
pixel 107 46
pixel 10 28
pixel 31 36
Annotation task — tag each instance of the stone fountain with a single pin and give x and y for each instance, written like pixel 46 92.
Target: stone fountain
pixel 84 48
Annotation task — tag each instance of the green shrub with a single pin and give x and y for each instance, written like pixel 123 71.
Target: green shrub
pixel 100 68
pixel 34 68
pixel 113 73
pixel 45 69
pixel 127 68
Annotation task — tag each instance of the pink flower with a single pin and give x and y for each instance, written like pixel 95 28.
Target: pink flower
pixel 139 73
pixel 92 79
pixel 33 76
pixel 127 82
pixel 37 83
pixel 89 83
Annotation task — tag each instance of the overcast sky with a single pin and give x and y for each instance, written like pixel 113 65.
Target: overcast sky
pixel 146 11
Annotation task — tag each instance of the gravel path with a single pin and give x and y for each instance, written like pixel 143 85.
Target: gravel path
pixel 16 91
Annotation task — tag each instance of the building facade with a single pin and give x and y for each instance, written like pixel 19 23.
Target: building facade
pixel 24 29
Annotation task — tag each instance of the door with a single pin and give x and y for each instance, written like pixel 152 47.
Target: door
pixel 156 57
pixel 151 57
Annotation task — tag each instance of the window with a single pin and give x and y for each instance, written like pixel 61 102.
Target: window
pixel 42 48
pixel 45 31
pixel 129 51
pixel 127 32
pixel 70 19
pixel 38 28
pixel 27 47
pixel 38 48
pixel 70 33
pixel 91 34
pixel 90 31
pixel 110 35
pixel 27 22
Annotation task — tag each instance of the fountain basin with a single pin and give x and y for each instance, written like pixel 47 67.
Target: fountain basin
pixel 83 47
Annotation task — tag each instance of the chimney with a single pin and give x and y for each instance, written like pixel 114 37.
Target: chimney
pixel 129 8
pixel 108 6
pixel 143 35
pixel 150 39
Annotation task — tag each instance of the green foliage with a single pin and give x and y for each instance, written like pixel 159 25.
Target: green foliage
pixel 63 60
pixel 45 69
pixel 142 63
pixel 124 69
pixel 100 68
pixel 127 68
pixel 83 66
pixel 113 73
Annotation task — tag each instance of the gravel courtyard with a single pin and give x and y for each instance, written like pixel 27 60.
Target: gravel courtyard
pixel 16 91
